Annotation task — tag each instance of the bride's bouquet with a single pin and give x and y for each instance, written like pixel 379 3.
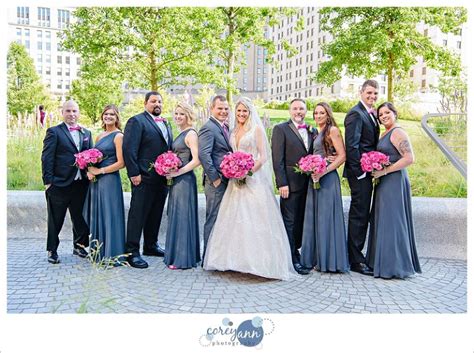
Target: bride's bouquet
pixel 374 160
pixel 312 163
pixel 166 163
pixel 237 165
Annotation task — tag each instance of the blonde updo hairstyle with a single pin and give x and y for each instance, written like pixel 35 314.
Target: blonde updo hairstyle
pixel 188 112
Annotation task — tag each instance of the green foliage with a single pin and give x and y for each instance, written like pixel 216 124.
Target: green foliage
pixel 453 91
pixel 94 93
pixel 371 40
pixel 134 107
pixel 431 175
pixel 146 47
pixel 235 28
pixel 203 99
pixel 25 90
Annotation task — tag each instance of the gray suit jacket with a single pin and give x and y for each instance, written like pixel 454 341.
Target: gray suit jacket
pixel 213 146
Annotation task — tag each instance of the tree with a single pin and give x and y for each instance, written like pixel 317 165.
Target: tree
pixel 93 94
pixel 147 47
pixel 368 41
pixel 25 89
pixel 237 27
pixel 453 92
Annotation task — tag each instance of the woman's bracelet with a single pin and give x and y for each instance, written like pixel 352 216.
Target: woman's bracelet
pixel 102 170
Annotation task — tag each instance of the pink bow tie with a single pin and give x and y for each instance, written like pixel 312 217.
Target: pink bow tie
pixel 302 126
pixel 372 111
pixel 159 120
pixel 75 128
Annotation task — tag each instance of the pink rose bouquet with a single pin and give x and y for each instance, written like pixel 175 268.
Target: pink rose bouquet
pixel 166 163
pixel 237 165
pixel 374 160
pixel 88 158
pixel 312 163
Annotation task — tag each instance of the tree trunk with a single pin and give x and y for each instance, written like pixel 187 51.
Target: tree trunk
pixel 230 74
pixel 390 77
pixel 153 79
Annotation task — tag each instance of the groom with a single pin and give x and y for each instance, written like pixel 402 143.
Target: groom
pixel 292 140
pixel 213 146
pixel 361 135
pixel 146 136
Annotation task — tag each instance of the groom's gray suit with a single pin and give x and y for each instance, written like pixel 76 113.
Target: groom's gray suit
pixel 213 146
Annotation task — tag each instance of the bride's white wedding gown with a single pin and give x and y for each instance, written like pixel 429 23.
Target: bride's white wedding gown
pixel 249 235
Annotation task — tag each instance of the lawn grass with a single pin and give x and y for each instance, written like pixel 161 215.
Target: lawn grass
pixel 432 174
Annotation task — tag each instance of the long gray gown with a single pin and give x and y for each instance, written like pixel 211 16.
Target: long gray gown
pixel 391 246
pixel 182 235
pixel 324 244
pixel 104 206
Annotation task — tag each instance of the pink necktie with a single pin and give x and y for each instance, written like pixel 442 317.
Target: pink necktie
pixel 302 126
pixel 159 120
pixel 226 130
pixel 372 111
pixel 75 128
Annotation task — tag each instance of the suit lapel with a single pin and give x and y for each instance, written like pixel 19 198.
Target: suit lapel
pixel 155 126
pixel 367 116
pixel 295 130
pixel 211 118
pixel 65 129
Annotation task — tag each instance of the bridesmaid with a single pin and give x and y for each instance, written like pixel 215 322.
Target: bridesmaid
pixel 182 236
pixel 104 207
pixel 391 247
pixel 324 243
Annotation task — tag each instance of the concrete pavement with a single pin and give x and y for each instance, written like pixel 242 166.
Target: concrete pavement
pixel 74 285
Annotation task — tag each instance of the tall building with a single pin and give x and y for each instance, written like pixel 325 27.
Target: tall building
pixel 38 28
pixel 292 76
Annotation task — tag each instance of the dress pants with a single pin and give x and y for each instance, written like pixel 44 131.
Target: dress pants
pixel 59 200
pixel 359 215
pixel 292 211
pixel 213 202
pixel 145 213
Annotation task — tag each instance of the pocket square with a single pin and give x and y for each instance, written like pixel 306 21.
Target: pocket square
pixel 86 139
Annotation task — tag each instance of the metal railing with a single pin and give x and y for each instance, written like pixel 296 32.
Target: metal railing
pixel 449 132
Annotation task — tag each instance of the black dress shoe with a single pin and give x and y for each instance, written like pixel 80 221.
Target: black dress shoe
pixel 53 257
pixel 79 252
pixel 300 269
pixel 155 251
pixel 137 262
pixel 362 269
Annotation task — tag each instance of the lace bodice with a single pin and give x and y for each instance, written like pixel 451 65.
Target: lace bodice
pixel 247 143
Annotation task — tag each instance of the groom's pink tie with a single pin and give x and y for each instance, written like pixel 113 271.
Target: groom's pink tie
pixel 226 131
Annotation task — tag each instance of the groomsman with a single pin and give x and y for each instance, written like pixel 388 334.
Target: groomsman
pixel 146 136
pixel 292 140
pixel 361 135
pixel 214 144
pixel 66 185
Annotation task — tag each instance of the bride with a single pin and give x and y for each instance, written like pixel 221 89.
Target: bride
pixel 249 235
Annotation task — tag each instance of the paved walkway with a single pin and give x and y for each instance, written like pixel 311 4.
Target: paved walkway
pixel 35 286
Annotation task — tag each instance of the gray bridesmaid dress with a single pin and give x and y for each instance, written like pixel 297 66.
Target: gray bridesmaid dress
pixel 324 244
pixel 182 235
pixel 104 206
pixel 391 246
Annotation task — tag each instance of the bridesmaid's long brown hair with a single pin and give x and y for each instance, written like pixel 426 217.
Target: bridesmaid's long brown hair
pixel 118 125
pixel 327 144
